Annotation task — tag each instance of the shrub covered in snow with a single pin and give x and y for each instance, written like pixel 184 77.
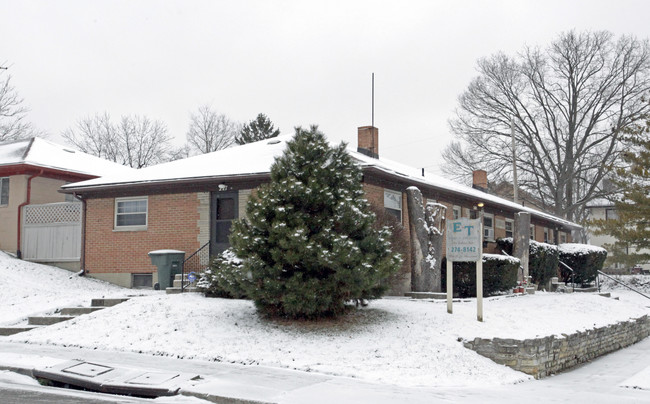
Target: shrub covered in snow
pixel 586 260
pixel 226 277
pixel 543 259
pixel 499 275
pixel 309 241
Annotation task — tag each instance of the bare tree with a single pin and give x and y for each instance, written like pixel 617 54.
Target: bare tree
pixel 142 142
pixel 136 141
pixel 210 131
pixel 95 135
pixel 13 123
pixel 569 103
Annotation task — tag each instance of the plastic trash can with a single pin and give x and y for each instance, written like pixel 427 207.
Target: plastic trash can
pixel 169 263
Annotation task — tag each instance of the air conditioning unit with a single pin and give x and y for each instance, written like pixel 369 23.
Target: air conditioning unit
pixel 488 234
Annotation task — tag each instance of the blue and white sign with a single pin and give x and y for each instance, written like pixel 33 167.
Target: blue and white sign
pixel 191 277
pixel 464 240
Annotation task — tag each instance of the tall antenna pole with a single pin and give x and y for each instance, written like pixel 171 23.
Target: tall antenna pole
pixel 373 100
pixel 515 192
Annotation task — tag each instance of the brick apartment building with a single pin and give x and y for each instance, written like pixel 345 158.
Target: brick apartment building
pixel 185 204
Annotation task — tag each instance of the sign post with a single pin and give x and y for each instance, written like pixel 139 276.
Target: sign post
pixel 465 243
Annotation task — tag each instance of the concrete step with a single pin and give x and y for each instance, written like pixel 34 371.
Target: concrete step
pixel 47 320
pixel 178 283
pixel 107 302
pixel 77 311
pixel 587 290
pixel 175 290
pixel 4 331
pixel 426 295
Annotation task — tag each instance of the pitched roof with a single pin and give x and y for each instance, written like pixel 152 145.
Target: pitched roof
pixel 257 158
pixel 42 153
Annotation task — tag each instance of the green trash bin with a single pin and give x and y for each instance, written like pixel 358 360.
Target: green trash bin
pixel 169 263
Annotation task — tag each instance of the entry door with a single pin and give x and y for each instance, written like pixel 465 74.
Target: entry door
pixel 224 209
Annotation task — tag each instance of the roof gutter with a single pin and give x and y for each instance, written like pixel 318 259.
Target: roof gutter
pixel 20 210
pixel 157 184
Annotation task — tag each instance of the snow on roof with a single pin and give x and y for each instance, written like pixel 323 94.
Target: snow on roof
pixel 600 203
pixel 257 158
pixel 43 153
pixel 251 158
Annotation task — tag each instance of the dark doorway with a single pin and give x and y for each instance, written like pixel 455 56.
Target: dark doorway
pixel 224 208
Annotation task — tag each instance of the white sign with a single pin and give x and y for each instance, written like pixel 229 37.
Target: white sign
pixel 464 240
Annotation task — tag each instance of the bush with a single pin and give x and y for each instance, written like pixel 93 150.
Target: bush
pixel 308 240
pixel 499 275
pixel 399 240
pixel 543 259
pixel 585 260
pixel 226 277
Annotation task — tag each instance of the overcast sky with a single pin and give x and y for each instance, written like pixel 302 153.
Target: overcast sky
pixel 299 62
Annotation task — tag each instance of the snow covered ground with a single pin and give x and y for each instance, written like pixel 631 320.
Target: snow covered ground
pixel 394 340
pixel 30 289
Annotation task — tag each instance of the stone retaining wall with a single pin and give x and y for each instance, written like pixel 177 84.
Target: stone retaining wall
pixel 541 357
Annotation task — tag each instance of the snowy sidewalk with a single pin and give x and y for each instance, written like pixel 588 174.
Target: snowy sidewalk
pixel 600 381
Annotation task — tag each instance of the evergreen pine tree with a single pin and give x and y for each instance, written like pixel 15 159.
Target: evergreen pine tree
pixel 309 241
pixel 632 227
pixel 258 129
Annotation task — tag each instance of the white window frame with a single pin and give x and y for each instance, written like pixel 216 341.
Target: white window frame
pixel 563 237
pixel 532 231
pixel 136 227
pixel 512 228
pixel 394 196
pixel 486 230
pixel 457 212
pixel 2 181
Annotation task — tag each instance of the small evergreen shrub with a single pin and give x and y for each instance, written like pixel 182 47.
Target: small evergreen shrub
pixel 586 260
pixel 308 240
pixel 226 277
pixel 499 275
pixel 543 259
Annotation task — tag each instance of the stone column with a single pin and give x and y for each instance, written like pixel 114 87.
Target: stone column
pixel 436 219
pixel 521 241
pixel 426 242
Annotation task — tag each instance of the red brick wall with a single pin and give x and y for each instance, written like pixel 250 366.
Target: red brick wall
pixel 172 224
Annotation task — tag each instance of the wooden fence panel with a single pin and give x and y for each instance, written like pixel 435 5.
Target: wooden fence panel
pixel 52 232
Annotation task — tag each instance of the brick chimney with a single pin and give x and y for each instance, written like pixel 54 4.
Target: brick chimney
pixel 368 141
pixel 479 180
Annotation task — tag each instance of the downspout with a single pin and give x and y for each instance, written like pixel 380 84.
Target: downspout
pixel 82 264
pixel 20 210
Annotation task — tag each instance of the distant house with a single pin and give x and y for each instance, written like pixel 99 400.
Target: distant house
pixel 605 210
pixel 187 203
pixel 38 222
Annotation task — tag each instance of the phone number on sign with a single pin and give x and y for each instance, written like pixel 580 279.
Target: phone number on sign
pixel 463 249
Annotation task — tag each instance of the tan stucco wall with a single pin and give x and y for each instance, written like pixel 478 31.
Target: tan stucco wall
pixel 9 213
pixel 44 190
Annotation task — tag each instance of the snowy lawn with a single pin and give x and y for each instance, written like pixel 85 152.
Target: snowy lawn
pixel 394 340
pixel 30 289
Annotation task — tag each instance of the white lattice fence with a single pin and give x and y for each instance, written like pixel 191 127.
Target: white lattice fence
pixel 52 232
